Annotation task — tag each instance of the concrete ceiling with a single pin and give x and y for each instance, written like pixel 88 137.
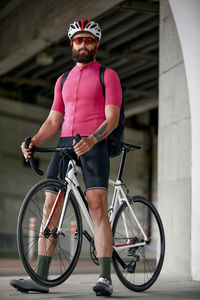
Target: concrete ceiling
pixel 35 50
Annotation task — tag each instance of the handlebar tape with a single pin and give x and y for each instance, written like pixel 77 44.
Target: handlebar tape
pixel 31 160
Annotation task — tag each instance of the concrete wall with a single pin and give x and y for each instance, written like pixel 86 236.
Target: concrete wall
pixel 17 121
pixel 174 149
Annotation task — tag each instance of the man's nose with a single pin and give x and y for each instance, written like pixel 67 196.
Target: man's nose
pixel 83 42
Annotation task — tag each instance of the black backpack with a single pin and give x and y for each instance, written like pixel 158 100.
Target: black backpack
pixel 115 139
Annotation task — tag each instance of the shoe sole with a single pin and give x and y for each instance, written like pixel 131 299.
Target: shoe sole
pixel 26 291
pixel 100 291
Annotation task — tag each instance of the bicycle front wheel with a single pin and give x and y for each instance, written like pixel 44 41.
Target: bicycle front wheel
pixel 138 262
pixel 49 257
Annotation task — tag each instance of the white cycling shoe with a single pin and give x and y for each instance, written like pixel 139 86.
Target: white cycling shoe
pixel 103 287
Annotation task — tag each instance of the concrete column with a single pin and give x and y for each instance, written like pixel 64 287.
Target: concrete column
pixel 188 23
pixel 174 150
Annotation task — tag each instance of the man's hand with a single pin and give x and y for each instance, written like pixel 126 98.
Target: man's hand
pixel 85 145
pixel 27 152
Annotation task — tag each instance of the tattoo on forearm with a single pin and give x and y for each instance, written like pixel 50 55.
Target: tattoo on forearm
pixel 100 134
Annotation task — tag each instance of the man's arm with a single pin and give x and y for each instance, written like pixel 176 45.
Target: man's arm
pixel 47 130
pixel 112 118
pixel 112 113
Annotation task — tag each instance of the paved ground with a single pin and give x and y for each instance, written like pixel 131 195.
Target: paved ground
pixel 78 286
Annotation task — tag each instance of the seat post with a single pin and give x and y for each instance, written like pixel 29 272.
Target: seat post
pixel 121 167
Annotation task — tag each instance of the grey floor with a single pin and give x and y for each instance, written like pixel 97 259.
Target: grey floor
pixel 79 286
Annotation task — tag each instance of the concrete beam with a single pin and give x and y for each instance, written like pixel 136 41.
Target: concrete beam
pixel 138 92
pixel 140 106
pixel 124 29
pixel 146 25
pixel 127 56
pixel 143 77
pixel 27 81
pixel 34 25
pixel 141 6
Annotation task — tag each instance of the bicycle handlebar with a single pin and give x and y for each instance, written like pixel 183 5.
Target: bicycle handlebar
pixel 66 149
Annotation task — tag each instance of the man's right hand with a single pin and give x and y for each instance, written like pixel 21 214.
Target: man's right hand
pixel 25 151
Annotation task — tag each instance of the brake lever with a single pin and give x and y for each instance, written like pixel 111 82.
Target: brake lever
pixel 82 157
pixel 27 143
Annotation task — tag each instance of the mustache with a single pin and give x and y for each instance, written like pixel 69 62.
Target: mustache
pixel 83 49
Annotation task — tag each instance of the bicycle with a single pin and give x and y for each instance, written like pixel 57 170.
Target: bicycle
pixel 138 234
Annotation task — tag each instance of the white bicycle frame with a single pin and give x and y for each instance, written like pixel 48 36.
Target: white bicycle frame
pixel 118 197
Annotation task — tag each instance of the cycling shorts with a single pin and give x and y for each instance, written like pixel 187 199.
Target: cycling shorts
pixel 97 159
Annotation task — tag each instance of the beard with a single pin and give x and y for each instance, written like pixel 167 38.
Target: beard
pixel 83 58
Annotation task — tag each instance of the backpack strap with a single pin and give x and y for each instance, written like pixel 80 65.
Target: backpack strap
pixel 64 78
pixel 101 76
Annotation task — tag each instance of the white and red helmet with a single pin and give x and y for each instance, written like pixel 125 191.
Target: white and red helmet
pixel 84 26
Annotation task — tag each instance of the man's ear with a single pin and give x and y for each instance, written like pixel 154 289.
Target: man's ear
pixel 97 46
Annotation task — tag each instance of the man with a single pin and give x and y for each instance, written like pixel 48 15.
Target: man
pixel 87 112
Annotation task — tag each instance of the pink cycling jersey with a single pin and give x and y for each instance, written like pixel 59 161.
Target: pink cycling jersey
pixel 81 100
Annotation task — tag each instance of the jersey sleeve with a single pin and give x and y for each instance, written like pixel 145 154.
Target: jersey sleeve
pixel 113 89
pixel 58 104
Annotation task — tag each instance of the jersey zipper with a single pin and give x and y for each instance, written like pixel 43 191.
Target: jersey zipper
pixel 73 133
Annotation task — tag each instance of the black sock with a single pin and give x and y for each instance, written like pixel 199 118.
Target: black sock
pixel 105 267
pixel 43 266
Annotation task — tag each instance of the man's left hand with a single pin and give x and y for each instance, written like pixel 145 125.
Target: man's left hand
pixel 85 145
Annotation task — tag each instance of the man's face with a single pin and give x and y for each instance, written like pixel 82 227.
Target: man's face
pixel 84 50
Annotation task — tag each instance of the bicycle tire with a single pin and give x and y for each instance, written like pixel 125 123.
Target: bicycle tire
pixel 67 246
pixel 140 266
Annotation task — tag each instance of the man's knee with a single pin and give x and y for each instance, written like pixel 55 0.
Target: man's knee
pixel 97 201
pixel 49 201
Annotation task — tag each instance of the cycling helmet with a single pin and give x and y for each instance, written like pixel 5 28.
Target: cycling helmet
pixel 84 26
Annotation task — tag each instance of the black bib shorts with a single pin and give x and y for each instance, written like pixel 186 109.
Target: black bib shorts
pixel 97 159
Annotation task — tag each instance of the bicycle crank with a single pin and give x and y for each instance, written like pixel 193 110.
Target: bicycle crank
pixel 47 233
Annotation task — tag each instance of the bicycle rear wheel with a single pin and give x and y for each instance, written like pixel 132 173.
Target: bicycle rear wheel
pixel 138 265
pixel 33 240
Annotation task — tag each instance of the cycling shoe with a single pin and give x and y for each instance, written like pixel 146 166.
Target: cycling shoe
pixel 28 285
pixel 103 287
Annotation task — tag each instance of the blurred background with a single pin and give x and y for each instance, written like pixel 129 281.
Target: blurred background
pixel 143 42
